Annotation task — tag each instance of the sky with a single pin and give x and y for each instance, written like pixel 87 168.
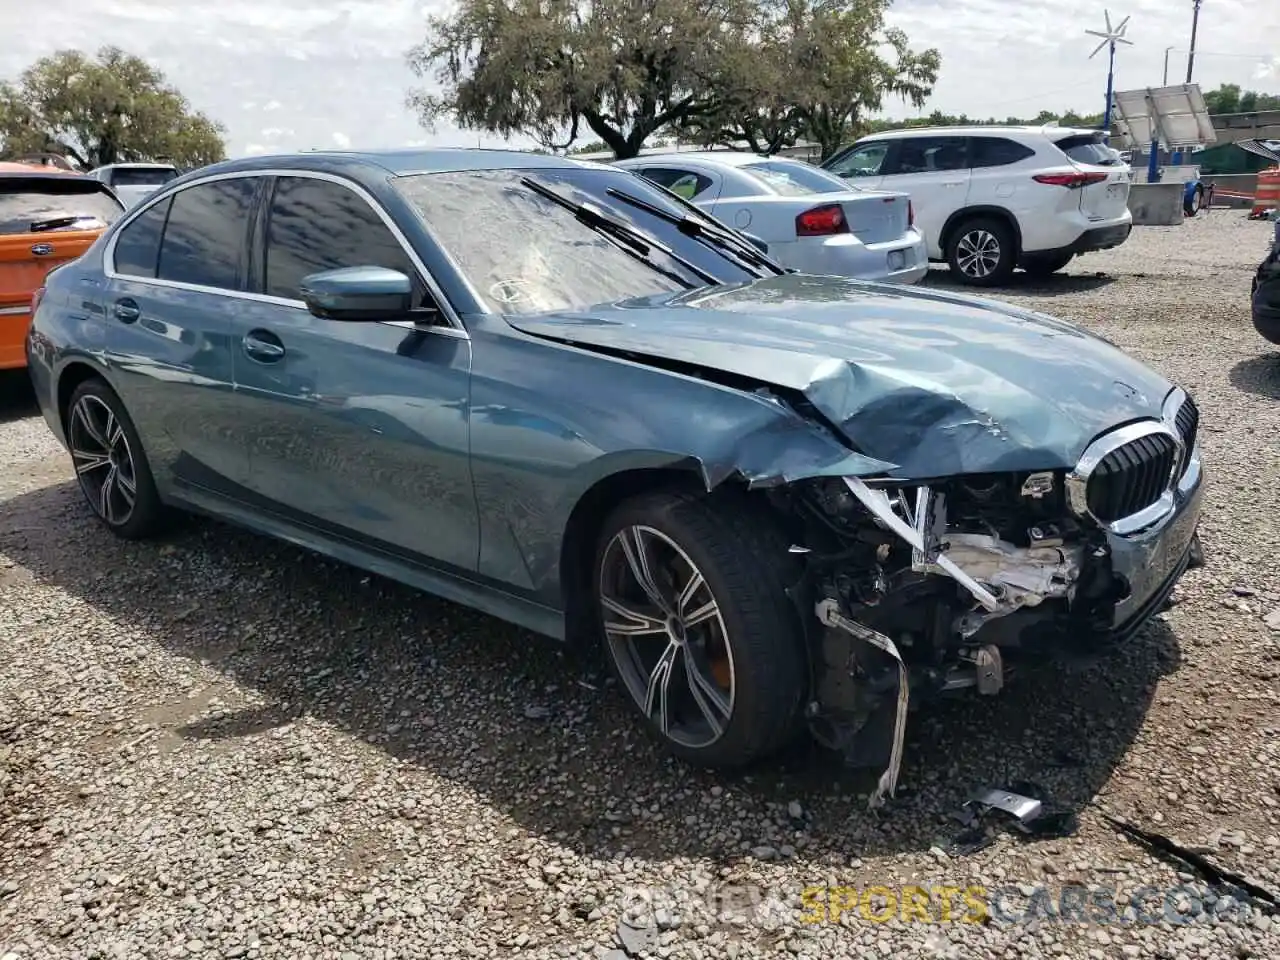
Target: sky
pixel 299 74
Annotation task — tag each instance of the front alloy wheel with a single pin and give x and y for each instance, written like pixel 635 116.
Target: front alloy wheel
pixel 666 636
pixel 690 591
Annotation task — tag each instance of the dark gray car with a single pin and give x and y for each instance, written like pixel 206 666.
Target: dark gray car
pixel 559 394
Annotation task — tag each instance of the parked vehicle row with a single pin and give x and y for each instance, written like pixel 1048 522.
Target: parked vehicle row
pixel 558 393
pixel 983 199
pixel 989 199
pixel 811 220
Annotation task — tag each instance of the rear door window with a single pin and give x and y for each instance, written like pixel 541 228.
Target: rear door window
pixel 39 204
pixel 931 155
pixel 867 160
pixel 207 234
pixel 1088 148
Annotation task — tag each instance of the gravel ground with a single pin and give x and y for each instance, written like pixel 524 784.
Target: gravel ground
pixel 216 745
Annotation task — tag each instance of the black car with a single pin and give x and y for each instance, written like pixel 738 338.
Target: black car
pixel 1266 296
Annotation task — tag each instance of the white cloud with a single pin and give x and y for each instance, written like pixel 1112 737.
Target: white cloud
pixel 342 140
pixel 253 149
pixel 339 65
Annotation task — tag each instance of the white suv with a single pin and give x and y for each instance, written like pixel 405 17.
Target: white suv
pixel 992 198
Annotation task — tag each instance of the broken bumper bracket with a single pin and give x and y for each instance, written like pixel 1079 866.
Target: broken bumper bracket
pixel 828 613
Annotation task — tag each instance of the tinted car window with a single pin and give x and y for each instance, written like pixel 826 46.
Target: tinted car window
pixel 931 154
pixel 207 233
pixel 316 225
pixel 39 204
pixel 526 254
pixel 683 183
pixel 997 151
pixel 864 161
pixel 142 176
pixel 792 178
pixel 1088 148
pixel 138 245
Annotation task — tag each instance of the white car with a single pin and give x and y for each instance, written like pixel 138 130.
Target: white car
pixel 134 182
pixel 810 220
pixel 992 198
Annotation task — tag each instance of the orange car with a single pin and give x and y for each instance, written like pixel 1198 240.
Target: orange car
pixel 47 217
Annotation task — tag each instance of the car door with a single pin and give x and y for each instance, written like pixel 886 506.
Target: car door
pixel 358 429
pixel 862 163
pixel 999 177
pixel 175 276
pixel 934 171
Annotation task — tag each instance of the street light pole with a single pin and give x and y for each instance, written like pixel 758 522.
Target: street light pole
pixel 1153 159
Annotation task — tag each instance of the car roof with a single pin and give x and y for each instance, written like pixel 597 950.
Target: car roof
pixel 979 130
pixel 32 171
pixel 728 158
pixel 400 162
pixel 136 165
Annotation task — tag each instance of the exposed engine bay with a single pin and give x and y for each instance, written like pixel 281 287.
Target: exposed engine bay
pixel 921 589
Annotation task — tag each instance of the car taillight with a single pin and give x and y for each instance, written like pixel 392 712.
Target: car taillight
pixel 36 297
pixel 1069 180
pixel 822 221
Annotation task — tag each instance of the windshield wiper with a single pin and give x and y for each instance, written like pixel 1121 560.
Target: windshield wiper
pixel 622 236
pixel 726 242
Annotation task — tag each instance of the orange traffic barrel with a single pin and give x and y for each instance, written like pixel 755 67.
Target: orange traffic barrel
pixel 1267 196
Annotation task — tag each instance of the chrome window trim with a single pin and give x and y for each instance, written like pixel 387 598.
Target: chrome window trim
pixel 455 328
pixel 1178 482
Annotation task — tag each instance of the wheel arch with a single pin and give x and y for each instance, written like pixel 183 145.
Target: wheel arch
pixel 70 376
pixel 958 218
pixel 578 543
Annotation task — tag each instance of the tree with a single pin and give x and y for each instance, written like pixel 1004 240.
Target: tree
pixel 820 68
pixel 109 109
pixel 624 68
pixel 1229 98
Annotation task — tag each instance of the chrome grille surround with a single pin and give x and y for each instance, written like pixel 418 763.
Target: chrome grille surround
pixel 1183 474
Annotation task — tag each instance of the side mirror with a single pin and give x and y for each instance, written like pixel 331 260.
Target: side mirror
pixel 358 294
pixel 755 241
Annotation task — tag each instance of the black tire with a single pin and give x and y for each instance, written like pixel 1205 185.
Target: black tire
pixel 981 252
pixel 1191 205
pixel 1043 266
pixel 745 574
pixel 107 454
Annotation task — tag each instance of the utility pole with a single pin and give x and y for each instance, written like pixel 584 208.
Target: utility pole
pixel 1191 53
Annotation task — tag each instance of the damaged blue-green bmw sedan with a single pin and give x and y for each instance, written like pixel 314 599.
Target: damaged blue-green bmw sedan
pixel 556 393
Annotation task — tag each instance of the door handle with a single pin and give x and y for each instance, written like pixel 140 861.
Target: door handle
pixel 263 346
pixel 126 310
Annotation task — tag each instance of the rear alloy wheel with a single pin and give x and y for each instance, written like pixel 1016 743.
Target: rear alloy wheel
pixel 981 252
pixel 1043 266
pixel 110 466
pixel 698 628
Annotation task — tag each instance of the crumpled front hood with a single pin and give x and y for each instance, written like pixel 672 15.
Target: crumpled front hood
pixel 936 383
